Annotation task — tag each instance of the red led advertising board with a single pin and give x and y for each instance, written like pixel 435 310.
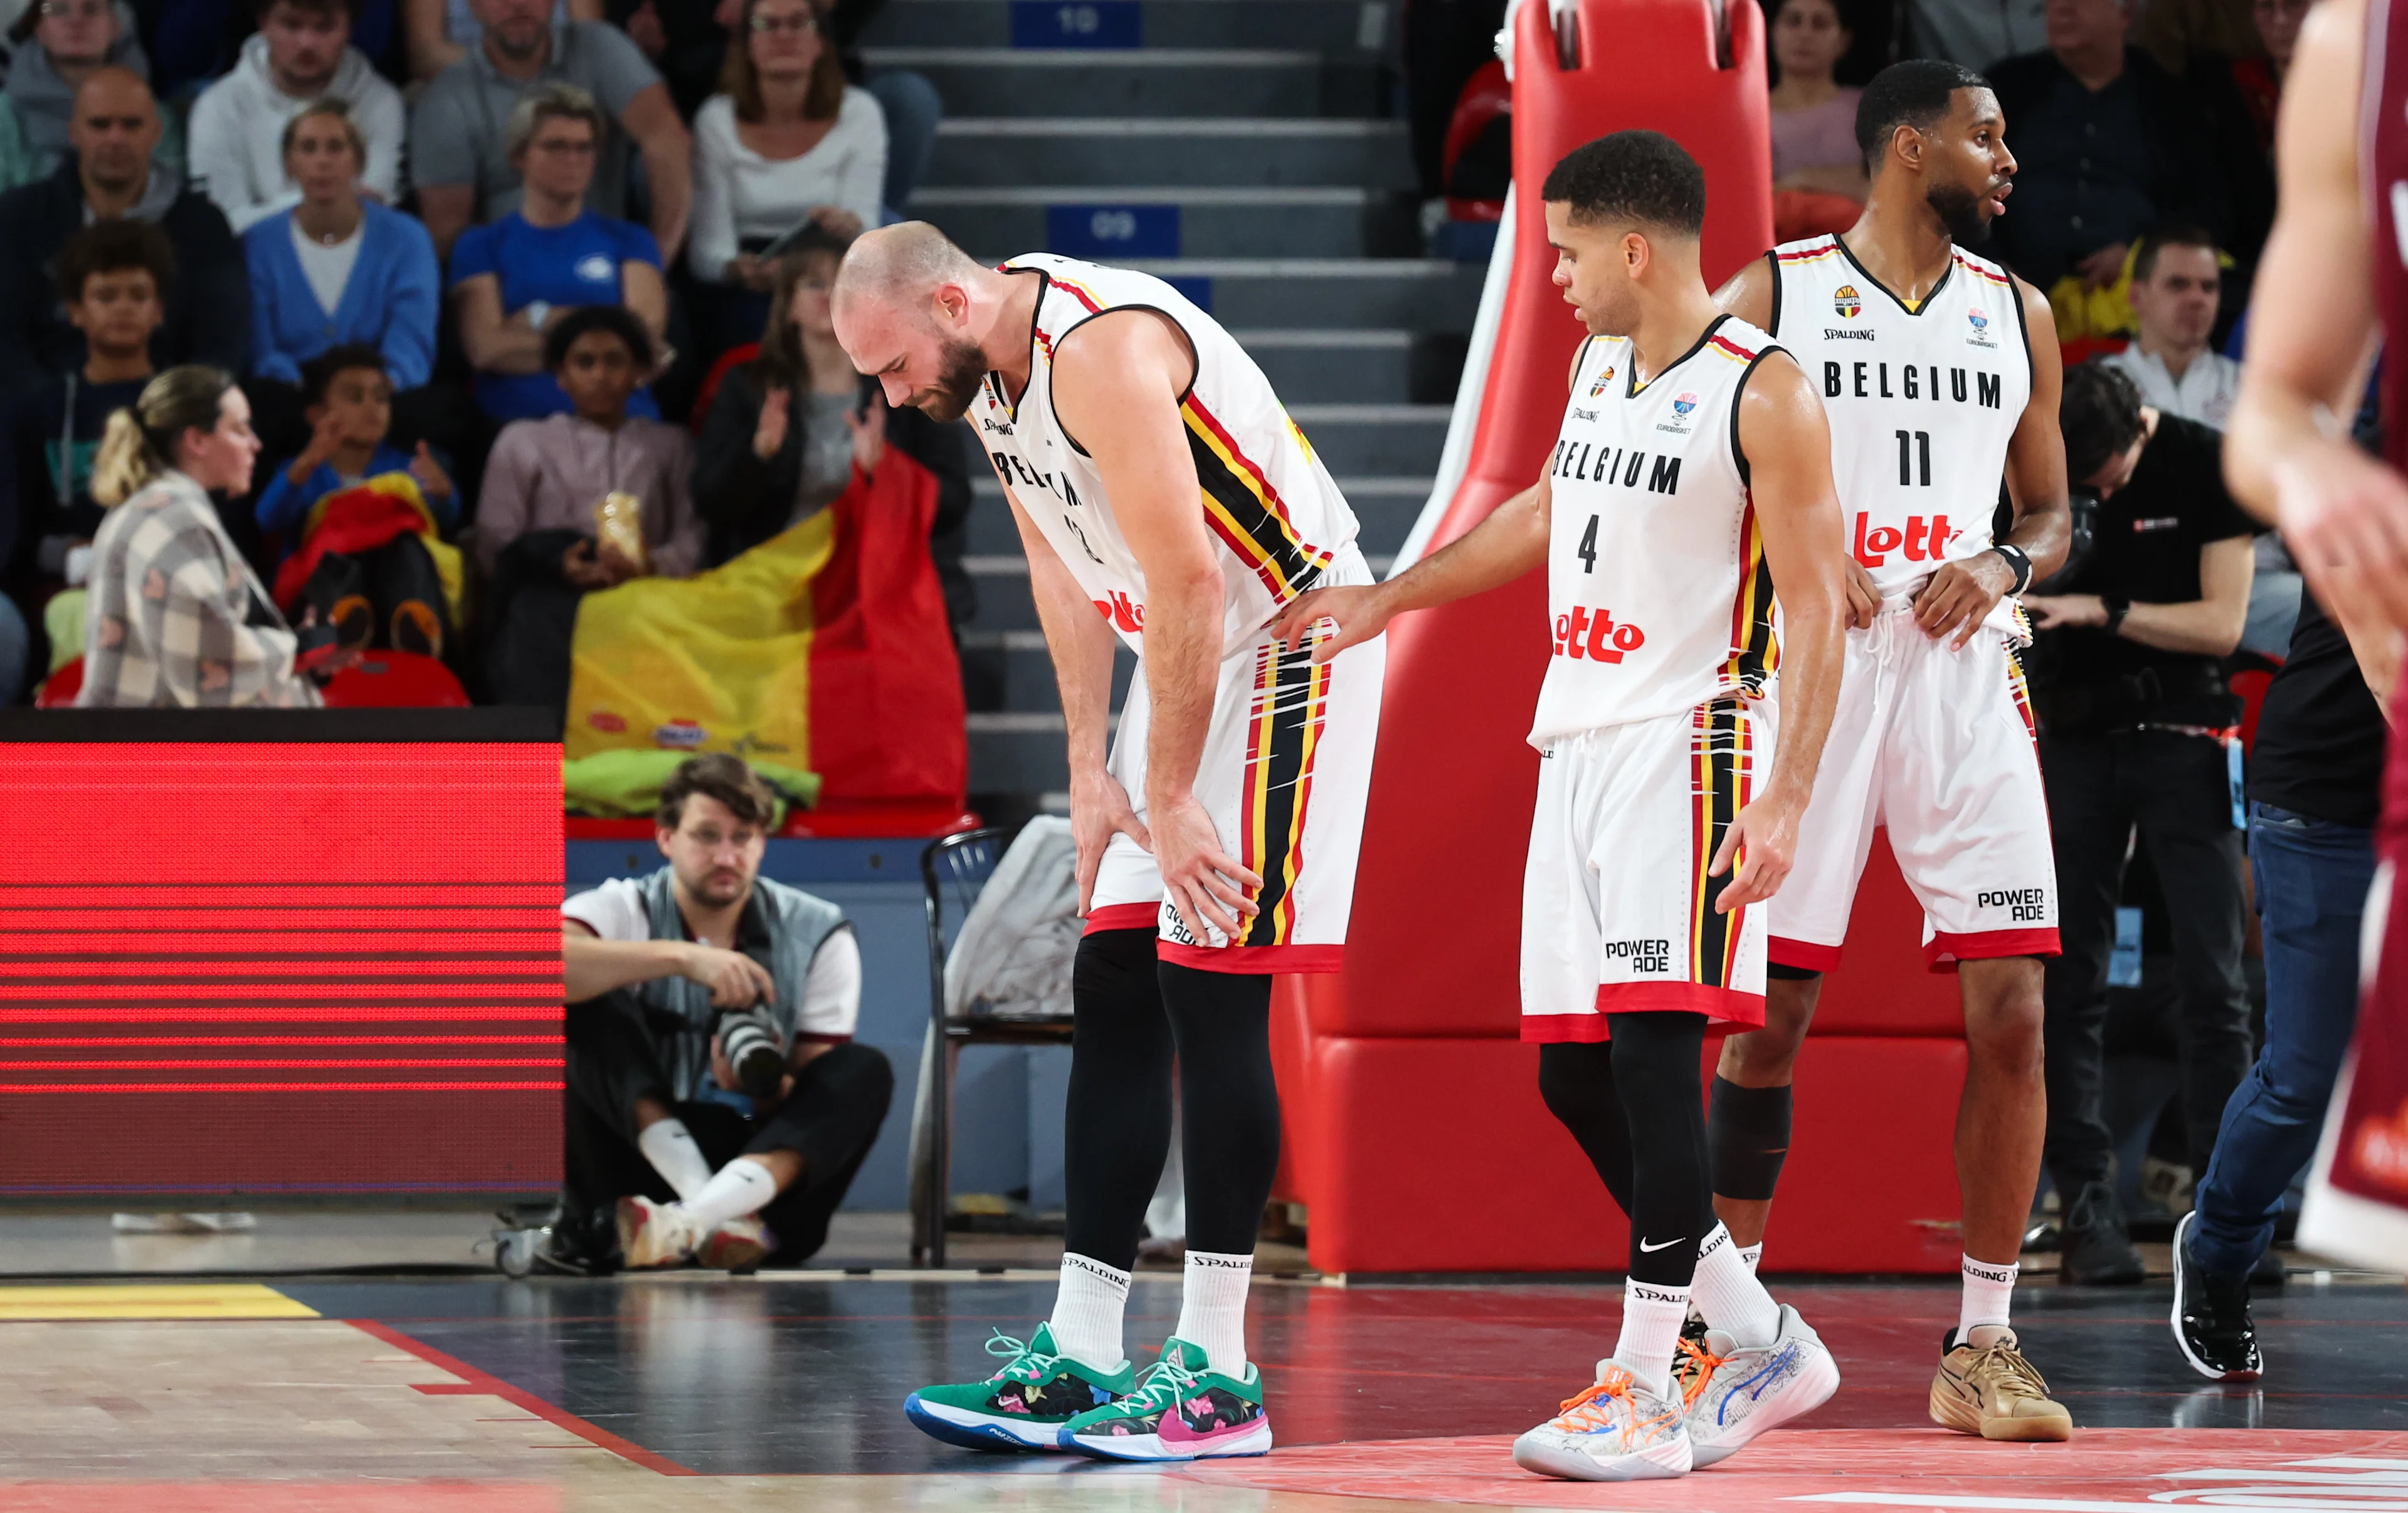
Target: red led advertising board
pixel 259 952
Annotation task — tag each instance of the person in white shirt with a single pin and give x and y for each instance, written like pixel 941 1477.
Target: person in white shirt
pixel 2177 278
pixel 667 976
pixel 302 54
pixel 785 144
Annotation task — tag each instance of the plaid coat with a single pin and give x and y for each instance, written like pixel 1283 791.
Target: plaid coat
pixel 175 619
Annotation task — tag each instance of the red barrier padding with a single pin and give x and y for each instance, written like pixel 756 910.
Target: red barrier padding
pixel 1438 1156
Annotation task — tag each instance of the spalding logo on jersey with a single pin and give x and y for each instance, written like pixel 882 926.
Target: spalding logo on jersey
pixel 1844 300
pixel 1981 323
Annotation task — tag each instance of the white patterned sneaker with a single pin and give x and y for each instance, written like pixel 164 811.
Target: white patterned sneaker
pixel 1738 1395
pixel 654 1235
pixel 1616 1431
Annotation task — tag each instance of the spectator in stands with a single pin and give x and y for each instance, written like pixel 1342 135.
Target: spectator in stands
pixel 2108 144
pixel 113 276
pixel 241 147
pixel 111 175
pixel 686 41
pixel 340 270
pixel 348 401
pixel 907 99
pixel 2260 80
pixel 63 42
pixel 787 431
pixel 537 525
pixel 2129 679
pixel 466 163
pixel 659 969
pixel 551 255
pixel 1974 33
pixel 443 32
pixel 1818 170
pixel 786 144
pixel 2177 282
pixel 175 617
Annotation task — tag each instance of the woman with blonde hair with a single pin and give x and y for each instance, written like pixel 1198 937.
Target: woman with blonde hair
pixel 175 617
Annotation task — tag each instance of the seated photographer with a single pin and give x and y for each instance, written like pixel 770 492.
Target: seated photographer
pixel 710 1049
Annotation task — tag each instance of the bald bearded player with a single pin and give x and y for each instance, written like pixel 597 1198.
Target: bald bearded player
pixel 1164 498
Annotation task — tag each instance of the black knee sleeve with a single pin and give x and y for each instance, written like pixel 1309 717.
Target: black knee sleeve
pixel 1577 1083
pixel 1784 972
pixel 1747 1133
pixel 1116 1119
pixel 1229 1100
pixel 1655 1058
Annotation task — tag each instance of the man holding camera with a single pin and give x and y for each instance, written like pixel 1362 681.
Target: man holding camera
pixel 717 1108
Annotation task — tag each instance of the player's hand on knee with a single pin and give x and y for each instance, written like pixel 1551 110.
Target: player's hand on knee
pixel 1099 809
pixel 735 979
pixel 1203 882
pixel 1959 598
pixel 1358 613
pixel 1864 599
pixel 1762 841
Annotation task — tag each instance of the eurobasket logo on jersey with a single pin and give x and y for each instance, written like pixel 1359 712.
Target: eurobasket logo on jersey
pixel 1844 300
pixel 1980 324
pixel 1684 403
pixel 1596 389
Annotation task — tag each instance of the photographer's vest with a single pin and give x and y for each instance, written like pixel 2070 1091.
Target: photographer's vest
pixel 678 1012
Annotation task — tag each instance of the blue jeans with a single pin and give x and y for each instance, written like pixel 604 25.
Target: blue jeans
pixel 912 111
pixel 2312 879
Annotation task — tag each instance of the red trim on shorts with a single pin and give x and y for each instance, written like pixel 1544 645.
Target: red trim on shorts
pixel 1945 952
pixel 1123 916
pixel 1254 961
pixel 1727 1010
pixel 1804 955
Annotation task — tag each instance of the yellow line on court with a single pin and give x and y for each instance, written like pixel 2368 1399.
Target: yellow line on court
pixel 224 1300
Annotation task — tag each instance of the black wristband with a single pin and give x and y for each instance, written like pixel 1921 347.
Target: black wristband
pixel 2117 607
pixel 2019 561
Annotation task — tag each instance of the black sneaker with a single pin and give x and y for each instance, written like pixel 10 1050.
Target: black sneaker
pixel 2211 1319
pixel 2097 1252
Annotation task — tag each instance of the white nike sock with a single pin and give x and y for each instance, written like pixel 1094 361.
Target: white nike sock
pixel 1086 1322
pixel 1652 1317
pixel 1212 1308
pixel 669 1145
pixel 1729 1298
pixel 1989 1288
pixel 736 1189
pixel 1752 1254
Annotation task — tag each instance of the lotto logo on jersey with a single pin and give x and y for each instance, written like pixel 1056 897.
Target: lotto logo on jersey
pixel 1122 613
pixel 1922 540
pixel 1595 637
pixel 1596 389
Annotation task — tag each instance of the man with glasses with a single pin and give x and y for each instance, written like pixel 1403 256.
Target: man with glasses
pixel 301 53
pixel 59 44
pixel 461 155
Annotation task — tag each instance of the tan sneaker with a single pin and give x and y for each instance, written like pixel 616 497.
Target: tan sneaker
pixel 1988 1389
pixel 741 1245
pixel 654 1235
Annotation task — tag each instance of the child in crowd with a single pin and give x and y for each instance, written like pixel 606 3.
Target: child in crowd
pixel 348 401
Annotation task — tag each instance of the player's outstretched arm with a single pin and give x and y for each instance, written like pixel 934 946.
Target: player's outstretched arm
pixel 1117 381
pixel 1787 440
pixel 2288 454
pixel 1956 600
pixel 1501 548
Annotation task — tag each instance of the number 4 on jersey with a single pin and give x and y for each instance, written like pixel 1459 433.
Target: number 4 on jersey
pixel 1588 549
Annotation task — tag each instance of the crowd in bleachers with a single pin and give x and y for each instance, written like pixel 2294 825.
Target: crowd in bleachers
pixel 489 249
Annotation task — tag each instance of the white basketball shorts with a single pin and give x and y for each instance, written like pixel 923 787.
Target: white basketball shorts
pixel 1936 744
pixel 1285 773
pixel 1617 910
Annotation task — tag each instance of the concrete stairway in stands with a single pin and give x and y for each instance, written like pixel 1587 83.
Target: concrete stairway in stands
pixel 1239 148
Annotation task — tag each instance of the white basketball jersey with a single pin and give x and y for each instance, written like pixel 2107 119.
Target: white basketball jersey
pixel 1656 585
pixel 1274 509
pixel 1921 401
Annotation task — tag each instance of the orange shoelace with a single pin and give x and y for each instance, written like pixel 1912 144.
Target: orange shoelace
pixel 1707 1361
pixel 1594 1410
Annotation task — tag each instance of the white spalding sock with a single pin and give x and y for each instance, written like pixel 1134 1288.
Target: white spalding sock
pixel 1086 1322
pixel 741 1187
pixel 1212 1308
pixel 1728 1297
pixel 1752 1254
pixel 669 1145
pixel 1652 1317
pixel 1989 1289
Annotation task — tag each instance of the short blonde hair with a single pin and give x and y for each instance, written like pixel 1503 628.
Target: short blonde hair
pixel 326 106
pixel 554 100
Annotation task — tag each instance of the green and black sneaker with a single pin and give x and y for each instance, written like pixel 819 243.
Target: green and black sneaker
pixel 1183 1410
pixel 1025 1406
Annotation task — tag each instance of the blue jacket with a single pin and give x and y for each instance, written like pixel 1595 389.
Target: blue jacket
pixel 391 301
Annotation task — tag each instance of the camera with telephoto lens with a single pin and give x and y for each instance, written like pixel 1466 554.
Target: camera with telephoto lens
pixel 749 1040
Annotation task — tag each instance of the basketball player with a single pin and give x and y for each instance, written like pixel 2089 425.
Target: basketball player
pixel 2336 268
pixel 1164 496
pixel 1939 371
pixel 1691 475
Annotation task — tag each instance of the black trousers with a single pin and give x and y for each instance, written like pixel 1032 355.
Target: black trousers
pixel 2177 791
pixel 830 1119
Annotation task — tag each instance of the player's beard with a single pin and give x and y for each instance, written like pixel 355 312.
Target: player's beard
pixel 961 368
pixel 1959 210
